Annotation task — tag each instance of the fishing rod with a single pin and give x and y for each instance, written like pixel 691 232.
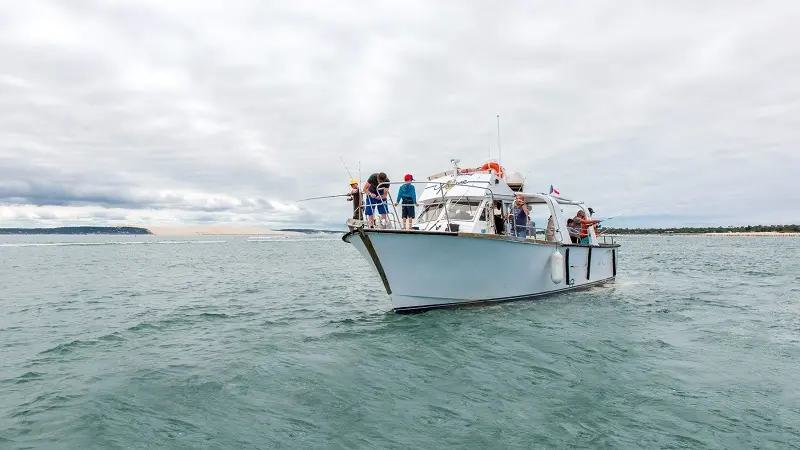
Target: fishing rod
pixel 326 196
pixel 345 168
pixel 612 217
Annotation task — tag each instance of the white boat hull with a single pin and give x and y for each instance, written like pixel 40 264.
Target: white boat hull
pixel 423 270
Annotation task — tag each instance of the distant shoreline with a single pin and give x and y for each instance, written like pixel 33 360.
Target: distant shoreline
pixel 78 230
pixel 730 234
pixel 741 233
pixel 217 230
pixel 173 231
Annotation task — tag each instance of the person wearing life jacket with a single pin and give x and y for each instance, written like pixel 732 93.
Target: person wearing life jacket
pixel 355 196
pixel 584 223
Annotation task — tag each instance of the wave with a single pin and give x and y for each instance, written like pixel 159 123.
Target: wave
pixel 292 239
pixel 79 244
pixel 188 242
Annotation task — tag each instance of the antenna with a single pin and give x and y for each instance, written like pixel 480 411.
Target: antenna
pixel 499 152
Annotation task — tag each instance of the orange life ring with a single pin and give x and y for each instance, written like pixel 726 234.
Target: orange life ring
pixel 496 167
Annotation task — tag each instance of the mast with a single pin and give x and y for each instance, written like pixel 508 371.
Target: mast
pixel 499 152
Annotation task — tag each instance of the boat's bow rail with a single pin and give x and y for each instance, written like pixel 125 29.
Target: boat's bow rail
pixel 480 201
pixel 442 197
pixel 481 206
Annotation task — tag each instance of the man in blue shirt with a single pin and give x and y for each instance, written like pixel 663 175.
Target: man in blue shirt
pixel 519 217
pixel 407 195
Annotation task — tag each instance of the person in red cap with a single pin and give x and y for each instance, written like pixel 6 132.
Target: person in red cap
pixel 407 195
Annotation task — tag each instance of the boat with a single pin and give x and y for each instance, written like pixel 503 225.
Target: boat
pixel 462 252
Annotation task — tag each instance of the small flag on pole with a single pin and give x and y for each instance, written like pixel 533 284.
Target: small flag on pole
pixel 554 190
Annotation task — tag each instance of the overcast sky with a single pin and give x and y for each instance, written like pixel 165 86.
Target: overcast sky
pixel 182 112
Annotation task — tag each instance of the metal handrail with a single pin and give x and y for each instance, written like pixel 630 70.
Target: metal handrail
pixel 392 216
pixel 475 184
pixel 441 191
pixel 447 217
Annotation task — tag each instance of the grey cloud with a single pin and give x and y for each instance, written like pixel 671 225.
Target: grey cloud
pixel 51 194
pixel 667 109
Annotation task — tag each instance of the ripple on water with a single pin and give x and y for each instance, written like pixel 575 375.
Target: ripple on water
pixel 207 346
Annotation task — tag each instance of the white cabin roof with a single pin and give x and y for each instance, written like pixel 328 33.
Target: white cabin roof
pixel 467 185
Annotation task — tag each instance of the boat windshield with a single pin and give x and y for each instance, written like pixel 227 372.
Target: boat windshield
pixel 463 210
pixel 430 212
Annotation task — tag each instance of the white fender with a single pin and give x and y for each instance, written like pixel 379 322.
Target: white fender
pixel 556 267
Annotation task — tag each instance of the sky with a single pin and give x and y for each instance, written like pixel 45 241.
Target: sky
pixel 227 112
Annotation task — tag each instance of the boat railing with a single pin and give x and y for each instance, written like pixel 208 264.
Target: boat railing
pixel 391 209
pixel 510 227
pixel 391 213
pixel 392 202
pixel 531 232
pixel 607 239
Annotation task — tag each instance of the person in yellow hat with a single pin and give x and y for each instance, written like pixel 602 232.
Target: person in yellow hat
pixel 355 196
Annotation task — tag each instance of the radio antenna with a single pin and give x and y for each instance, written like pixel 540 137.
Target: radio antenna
pixel 499 152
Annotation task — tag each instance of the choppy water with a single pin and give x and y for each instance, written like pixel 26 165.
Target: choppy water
pixel 235 343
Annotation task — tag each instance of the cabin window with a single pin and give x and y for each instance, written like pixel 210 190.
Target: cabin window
pixel 539 215
pixel 463 210
pixel 430 212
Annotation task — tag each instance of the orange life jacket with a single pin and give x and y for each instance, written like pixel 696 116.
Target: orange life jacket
pixel 584 228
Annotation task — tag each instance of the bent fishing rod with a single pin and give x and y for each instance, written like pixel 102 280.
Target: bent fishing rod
pixel 326 196
pixel 612 217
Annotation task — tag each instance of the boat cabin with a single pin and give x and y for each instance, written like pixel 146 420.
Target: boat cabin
pixel 478 201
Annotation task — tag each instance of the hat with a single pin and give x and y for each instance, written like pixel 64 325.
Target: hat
pixel 409 177
pixel 353 182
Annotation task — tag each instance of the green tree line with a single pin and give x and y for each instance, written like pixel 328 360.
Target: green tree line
pixel 76 230
pixel 698 230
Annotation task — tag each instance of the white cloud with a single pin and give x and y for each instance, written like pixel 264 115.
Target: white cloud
pixel 218 111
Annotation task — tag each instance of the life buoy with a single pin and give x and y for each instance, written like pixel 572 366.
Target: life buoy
pixel 494 166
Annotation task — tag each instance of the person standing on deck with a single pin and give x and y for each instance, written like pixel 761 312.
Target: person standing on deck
pixel 519 215
pixel 376 198
pixel 499 223
pixel 574 233
pixel 581 221
pixel 596 227
pixel 355 196
pixel 550 232
pixel 407 195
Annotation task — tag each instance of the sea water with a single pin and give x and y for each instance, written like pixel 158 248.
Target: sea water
pixel 230 342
